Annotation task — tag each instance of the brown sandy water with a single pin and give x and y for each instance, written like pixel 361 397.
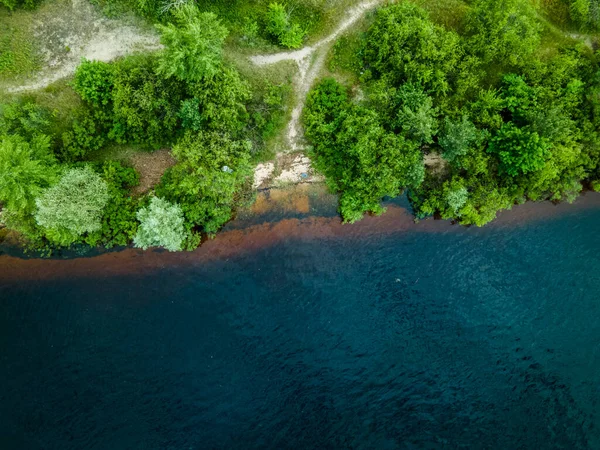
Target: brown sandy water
pixel 302 212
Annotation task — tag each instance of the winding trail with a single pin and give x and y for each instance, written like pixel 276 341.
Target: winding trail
pixel 310 66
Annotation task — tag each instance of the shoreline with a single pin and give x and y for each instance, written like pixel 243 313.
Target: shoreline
pixel 287 215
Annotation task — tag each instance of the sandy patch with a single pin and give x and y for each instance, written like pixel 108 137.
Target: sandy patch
pixel 295 172
pixel 151 167
pixel 435 163
pixel 262 174
pixel 71 31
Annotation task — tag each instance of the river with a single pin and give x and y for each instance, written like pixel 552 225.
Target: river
pixel 304 333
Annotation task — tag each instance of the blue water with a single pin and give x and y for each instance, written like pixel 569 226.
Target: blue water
pixel 460 339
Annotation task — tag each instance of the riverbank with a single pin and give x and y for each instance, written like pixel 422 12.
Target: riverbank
pixel 299 212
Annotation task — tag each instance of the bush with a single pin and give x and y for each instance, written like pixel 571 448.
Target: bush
pixel 25 4
pixel 404 45
pixel 119 222
pixel 503 31
pixel 73 206
pixel 520 150
pixel 94 82
pixel 193 45
pixel 221 101
pixel 211 170
pixel 458 137
pixel 278 24
pixel 161 225
pixel 145 105
pixel 24 118
pixel 84 137
pixel 26 168
pixel 361 160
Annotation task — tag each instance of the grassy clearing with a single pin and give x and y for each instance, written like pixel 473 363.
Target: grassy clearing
pixel 261 79
pixel 19 54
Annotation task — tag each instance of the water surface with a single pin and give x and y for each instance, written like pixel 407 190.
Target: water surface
pixel 307 334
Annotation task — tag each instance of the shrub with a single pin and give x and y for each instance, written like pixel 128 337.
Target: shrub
pixel 211 170
pixel 145 105
pixel 360 159
pixel 520 150
pixel 503 31
pixel 26 168
pixel 84 137
pixel 404 45
pixel 25 118
pixel 119 222
pixel 161 225
pixel 73 206
pixel 193 45
pixel 458 137
pixel 288 35
pixel 94 82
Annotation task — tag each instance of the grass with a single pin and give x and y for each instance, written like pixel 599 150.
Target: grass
pixel 18 53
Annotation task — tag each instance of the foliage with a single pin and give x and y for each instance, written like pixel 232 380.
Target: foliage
pixel 289 35
pixel 84 137
pixel 458 137
pixel 360 159
pixel 145 105
pixel 193 45
pixel 24 118
pixel 94 82
pixel 221 101
pixel 403 45
pixel 26 4
pixel 211 169
pixel 585 13
pixel 161 225
pixel 503 31
pixel 73 206
pixel 520 150
pixel 119 222
pixel 26 168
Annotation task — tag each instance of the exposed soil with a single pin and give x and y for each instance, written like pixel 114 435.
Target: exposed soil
pixel 70 31
pixel 151 167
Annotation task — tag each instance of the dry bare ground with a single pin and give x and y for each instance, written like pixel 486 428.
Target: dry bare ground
pixel 74 30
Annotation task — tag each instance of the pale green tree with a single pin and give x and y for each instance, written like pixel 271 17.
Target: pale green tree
pixel 73 206
pixel 161 225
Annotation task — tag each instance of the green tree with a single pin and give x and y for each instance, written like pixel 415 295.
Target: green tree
pixel 458 137
pixel 161 225
pixel 94 82
pixel 520 150
pixel 404 45
pixel 503 31
pixel 26 168
pixel 193 44
pixel 145 105
pixel 73 206
pixel 360 159
pixel 25 118
pixel 416 115
pixel 289 35
pixel 211 169
pixel 220 103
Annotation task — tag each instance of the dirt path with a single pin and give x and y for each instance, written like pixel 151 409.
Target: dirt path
pixel 293 166
pixel 74 30
pixel 310 61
